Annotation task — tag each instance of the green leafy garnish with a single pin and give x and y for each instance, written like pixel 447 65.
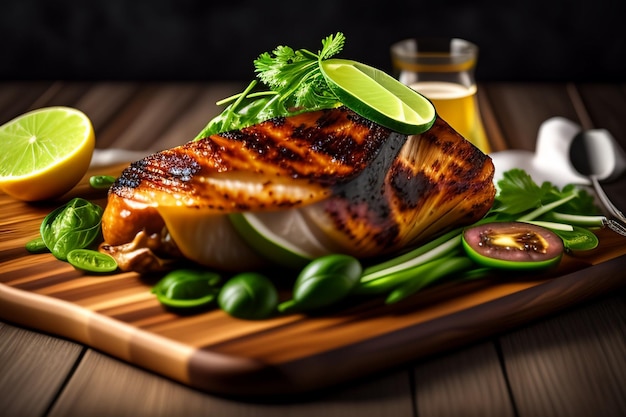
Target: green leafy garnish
pixel 101 182
pixel 89 260
pixel 296 75
pixel 36 245
pixel 302 81
pixel 296 84
pixel 518 193
pixel 188 289
pixel 568 212
pixel 73 226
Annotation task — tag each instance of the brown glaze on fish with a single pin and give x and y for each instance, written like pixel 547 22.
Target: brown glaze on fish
pixel 373 191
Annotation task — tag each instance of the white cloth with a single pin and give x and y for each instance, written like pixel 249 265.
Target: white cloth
pixel 550 161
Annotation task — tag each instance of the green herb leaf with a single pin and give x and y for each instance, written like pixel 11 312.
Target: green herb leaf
pixel 101 182
pixel 36 245
pixel 249 295
pixel 91 261
pixel 296 75
pixel 323 282
pixel 584 202
pixel 188 289
pixel 73 226
pixel 296 84
pixel 517 192
pixel 579 239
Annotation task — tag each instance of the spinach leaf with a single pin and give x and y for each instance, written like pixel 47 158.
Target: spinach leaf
pixel 72 226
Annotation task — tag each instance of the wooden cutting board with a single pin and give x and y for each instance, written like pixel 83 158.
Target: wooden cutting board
pixel 214 352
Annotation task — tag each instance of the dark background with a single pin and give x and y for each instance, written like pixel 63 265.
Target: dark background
pixel 530 40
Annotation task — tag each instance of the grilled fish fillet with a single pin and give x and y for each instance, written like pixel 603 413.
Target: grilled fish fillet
pixel 367 190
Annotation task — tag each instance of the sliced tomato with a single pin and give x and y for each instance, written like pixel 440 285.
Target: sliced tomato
pixel 513 245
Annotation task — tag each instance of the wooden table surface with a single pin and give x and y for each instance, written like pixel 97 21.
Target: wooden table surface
pixel 570 363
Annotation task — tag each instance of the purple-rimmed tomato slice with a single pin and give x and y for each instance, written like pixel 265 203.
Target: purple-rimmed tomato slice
pixel 513 245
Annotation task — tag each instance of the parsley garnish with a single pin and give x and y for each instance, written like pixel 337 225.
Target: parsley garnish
pixel 296 84
pixel 519 194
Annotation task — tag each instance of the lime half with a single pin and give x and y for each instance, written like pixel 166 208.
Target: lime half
pixel 378 96
pixel 45 152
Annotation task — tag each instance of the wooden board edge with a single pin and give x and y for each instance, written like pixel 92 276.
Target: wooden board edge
pixel 228 375
pixel 394 349
pixel 141 348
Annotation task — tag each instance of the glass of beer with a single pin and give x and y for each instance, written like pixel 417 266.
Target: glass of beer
pixel 442 69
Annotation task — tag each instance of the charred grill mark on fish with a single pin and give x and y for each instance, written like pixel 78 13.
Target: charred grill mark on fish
pixel 410 187
pixel 437 174
pixel 250 169
pixel 360 209
pixel 369 190
pixel 326 147
pixel 323 148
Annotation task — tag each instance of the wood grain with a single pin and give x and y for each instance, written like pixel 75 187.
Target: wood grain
pixel 467 383
pixel 215 352
pixel 104 386
pixel 42 366
pixel 19 97
pixel 117 315
pixel 521 108
pixel 574 349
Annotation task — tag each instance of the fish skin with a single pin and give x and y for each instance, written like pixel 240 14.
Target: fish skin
pixel 438 181
pixel 290 162
pixel 371 190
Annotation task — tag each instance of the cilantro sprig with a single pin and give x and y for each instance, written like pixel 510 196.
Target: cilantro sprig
pixel 296 75
pixel 519 196
pixel 296 84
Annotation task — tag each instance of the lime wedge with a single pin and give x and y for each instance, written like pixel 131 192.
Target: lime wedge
pixel 45 152
pixel 378 96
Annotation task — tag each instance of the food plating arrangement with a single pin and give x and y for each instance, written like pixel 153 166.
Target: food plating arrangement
pixel 325 190
pixel 338 179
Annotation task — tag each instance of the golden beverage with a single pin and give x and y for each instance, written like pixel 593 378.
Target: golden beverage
pixel 442 69
pixel 457 105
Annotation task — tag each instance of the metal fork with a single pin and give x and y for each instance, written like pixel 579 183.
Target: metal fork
pixel 615 226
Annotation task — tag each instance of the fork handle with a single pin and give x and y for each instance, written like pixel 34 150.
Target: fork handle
pixel 606 201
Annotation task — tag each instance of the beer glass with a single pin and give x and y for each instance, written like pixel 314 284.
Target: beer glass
pixel 443 71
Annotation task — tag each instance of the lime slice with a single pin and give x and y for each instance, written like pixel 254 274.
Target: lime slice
pixel 378 96
pixel 45 152
pixel 283 237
